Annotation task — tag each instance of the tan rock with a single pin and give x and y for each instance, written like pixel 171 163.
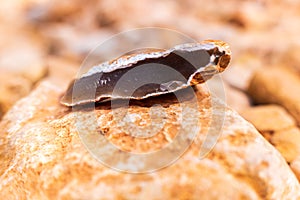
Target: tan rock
pixel 12 88
pixel 280 129
pixel 1 112
pixel 43 157
pixel 269 118
pixel 61 69
pixel 21 66
pixel 277 85
pixel 290 58
pixel 295 165
pixel 287 142
pixel 24 57
pixel 239 74
pixel 236 99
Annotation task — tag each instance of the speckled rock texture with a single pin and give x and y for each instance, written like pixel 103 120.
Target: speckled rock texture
pixel 42 156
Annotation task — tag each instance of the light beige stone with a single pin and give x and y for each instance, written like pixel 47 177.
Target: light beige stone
pixel 42 156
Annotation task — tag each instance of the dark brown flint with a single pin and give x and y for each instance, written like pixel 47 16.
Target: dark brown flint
pixel 150 72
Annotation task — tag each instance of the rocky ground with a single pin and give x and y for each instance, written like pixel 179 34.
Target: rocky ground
pixel 42 46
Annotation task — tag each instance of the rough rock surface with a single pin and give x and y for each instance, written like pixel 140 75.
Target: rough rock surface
pixel 42 156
